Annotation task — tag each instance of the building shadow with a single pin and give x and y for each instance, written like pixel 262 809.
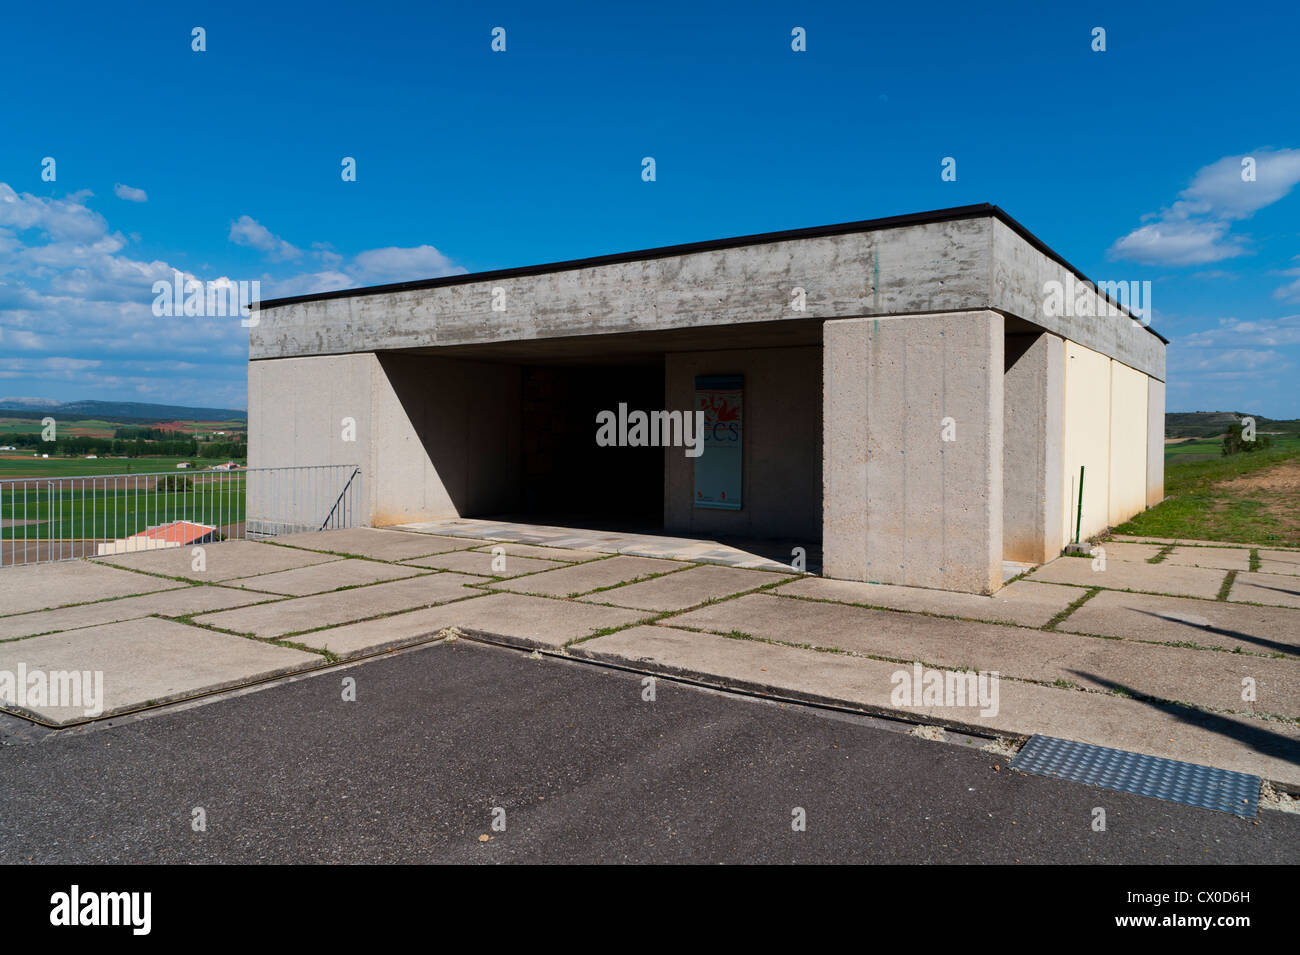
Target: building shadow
pixel 1256 738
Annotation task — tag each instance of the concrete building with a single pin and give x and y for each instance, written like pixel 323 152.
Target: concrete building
pixel 904 392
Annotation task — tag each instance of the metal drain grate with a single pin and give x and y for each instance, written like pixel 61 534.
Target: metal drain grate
pixel 1188 783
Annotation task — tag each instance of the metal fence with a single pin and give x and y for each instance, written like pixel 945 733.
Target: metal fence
pixel 65 518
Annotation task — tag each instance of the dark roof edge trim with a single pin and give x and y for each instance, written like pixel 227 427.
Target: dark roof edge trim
pixel 977 211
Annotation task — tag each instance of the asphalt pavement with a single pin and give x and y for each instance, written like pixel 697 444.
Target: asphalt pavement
pixel 573 764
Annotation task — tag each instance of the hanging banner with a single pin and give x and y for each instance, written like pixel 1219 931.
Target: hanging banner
pixel 717 469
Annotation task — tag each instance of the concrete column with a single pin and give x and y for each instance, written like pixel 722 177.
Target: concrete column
pixel 1033 431
pixel 1155 441
pixel 901 504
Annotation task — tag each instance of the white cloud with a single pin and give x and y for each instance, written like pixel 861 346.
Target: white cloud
pixel 1195 229
pixel 130 193
pixel 248 231
pixel 1263 333
pixel 381 266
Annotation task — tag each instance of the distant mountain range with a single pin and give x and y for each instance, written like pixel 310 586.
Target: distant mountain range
pixel 109 410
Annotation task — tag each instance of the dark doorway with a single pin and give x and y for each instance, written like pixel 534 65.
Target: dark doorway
pixel 566 475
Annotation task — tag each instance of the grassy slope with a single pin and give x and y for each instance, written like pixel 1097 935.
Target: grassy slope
pixel 1194 508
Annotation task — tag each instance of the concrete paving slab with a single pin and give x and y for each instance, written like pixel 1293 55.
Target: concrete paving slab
pixel 1271 750
pixel 326 610
pixel 481 564
pixel 565 555
pixel 1186 541
pixel 223 561
pixel 1120 550
pixel 1202 677
pixel 42 586
pixel 1209 623
pixel 143 662
pixel 169 603
pixel 1279 562
pixel 1130 575
pixel 587 577
pixel 527 621
pixel 1279 590
pixel 375 543
pixel 320 578
pixel 1025 602
pixel 1222 558
pixel 685 589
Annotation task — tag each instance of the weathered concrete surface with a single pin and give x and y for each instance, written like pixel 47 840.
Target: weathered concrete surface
pixel 568 555
pixel 1209 623
pixel 1221 558
pixel 1270 750
pixel 1024 602
pixel 474 562
pixel 1032 436
pixel 168 603
pixel 583 578
pixel 147 661
pixel 427 447
pixel 782 448
pixel 222 561
pixel 902 505
pixel 1279 562
pixel 375 544
pixel 1123 550
pixel 319 578
pixel 685 589
pixel 41 586
pixel 522 620
pixel 345 606
pixel 953 265
pixel 1019 276
pixel 1133 575
pixel 1279 590
pixel 1203 677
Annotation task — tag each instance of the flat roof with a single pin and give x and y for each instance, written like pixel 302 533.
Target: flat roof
pixel 978 211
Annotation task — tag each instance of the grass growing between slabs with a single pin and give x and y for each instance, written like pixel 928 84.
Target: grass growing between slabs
pixel 1243 498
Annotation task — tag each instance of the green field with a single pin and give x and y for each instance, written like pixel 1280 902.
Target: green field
pixel 1206 449
pixel 67 511
pixel 1240 498
pixel 13 465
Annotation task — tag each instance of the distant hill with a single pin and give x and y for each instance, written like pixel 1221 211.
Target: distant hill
pixel 1211 424
pixel 134 411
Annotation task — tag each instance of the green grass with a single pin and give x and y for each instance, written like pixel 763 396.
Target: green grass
pixel 1198 507
pixel 29 467
pixel 66 513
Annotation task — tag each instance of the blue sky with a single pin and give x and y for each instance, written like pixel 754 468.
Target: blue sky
pixel 226 163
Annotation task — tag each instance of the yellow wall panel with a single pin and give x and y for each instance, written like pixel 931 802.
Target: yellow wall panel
pixel 1128 443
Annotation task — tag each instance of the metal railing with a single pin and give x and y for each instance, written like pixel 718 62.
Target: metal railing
pixel 65 518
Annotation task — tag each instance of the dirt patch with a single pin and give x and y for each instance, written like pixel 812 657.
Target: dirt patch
pixel 1284 478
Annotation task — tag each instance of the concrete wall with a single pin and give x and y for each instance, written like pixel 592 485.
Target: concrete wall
pixel 961 264
pixel 1032 451
pixel 901 505
pixel 1155 442
pixel 1019 274
pixel 916 269
pixel 434 437
pixel 782 447
pixel 1128 443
